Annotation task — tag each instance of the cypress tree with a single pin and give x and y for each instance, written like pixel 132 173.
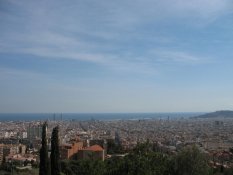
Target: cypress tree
pixel 55 153
pixel 44 161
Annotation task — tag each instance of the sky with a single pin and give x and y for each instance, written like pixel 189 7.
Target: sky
pixel 116 56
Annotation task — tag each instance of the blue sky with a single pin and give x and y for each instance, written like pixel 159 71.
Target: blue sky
pixel 116 56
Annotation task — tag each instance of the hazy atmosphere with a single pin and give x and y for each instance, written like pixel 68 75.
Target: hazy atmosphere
pixel 116 56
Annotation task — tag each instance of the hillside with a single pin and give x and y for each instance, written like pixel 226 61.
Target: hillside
pixel 217 114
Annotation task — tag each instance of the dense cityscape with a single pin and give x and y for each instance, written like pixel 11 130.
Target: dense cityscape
pixel 20 141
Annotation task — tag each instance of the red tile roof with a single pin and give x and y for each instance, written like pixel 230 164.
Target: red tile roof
pixel 94 148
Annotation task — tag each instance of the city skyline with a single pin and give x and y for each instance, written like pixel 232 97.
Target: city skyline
pixel 124 56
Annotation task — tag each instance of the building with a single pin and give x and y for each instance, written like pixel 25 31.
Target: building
pixel 1 153
pixel 10 149
pixel 100 142
pixel 9 134
pixel 22 149
pixel 20 159
pixel 94 152
pixel 68 151
pixel 22 134
pixel 14 149
pixel 34 131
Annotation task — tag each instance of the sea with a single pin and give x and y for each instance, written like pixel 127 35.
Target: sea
pixel 94 116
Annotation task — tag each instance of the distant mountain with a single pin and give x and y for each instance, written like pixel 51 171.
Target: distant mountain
pixel 217 114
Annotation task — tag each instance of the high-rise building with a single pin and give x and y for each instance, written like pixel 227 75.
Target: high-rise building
pixel 1 153
pixel 34 131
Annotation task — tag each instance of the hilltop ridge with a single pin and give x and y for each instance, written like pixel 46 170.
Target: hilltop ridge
pixel 217 114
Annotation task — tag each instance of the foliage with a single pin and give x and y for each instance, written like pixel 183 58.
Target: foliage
pixel 55 154
pixel 44 162
pixel 144 160
pixel 190 161
pixel 114 148
pixel 85 167
pixel 34 164
pixel 141 161
pixel 21 172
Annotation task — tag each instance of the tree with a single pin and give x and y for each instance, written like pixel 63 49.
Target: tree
pixel 144 160
pixel 44 161
pixel 55 153
pixel 190 161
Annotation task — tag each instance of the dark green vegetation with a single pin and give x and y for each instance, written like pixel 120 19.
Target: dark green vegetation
pixel 145 159
pixel 55 154
pixel 113 148
pixel 44 160
pixel 16 172
pixel 191 162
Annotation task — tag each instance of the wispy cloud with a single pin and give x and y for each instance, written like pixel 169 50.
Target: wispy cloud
pixel 133 13
pixel 10 73
pixel 102 32
pixel 171 56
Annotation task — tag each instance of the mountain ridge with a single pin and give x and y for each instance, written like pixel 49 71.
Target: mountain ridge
pixel 217 114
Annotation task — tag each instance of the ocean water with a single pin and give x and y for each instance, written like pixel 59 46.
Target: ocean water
pixel 90 116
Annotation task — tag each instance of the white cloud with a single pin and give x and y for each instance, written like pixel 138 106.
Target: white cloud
pixel 169 56
pixel 129 14
pixel 200 8
pixel 10 73
pixel 92 31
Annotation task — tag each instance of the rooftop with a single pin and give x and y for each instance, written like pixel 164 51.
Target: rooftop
pixel 94 148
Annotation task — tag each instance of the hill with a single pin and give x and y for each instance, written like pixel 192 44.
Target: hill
pixel 217 114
